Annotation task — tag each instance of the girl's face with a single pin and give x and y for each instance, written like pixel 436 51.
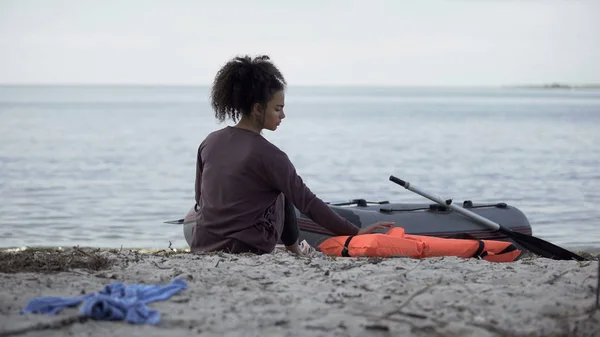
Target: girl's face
pixel 274 111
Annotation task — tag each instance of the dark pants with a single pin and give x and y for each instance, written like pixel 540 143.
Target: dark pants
pixel 290 232
pixel 289 236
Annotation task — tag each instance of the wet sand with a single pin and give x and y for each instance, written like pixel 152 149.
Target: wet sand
pixel 286 295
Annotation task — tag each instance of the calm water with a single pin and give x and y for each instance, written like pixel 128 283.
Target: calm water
pixel 104 166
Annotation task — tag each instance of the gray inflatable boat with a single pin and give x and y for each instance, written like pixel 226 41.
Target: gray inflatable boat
pixel 421 219
pixel 417 219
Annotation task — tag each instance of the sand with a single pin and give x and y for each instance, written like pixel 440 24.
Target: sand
pixel 286 295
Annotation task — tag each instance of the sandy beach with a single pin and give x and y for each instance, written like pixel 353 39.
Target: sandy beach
pixel 286 295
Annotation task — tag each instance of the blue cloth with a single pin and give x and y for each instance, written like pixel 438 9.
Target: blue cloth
pixel 116 301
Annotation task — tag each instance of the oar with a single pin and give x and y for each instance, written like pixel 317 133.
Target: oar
pixel 175 222
pixel 531 243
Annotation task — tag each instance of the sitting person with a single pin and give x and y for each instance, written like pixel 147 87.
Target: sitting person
pixel 246 187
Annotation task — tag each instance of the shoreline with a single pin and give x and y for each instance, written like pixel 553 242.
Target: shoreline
pixel 588 250
pixel 316 295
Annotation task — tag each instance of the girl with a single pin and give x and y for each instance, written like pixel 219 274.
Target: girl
pixel 246 187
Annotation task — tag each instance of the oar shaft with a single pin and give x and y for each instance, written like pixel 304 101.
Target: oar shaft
pixel 535 245
pixel 442 202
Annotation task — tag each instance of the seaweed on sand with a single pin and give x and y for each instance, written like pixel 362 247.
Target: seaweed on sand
pixel 52 260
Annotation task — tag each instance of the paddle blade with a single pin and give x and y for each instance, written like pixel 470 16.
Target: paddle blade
pixel 175 222
pixel 542 247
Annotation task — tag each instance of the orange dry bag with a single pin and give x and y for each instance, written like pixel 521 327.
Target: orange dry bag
pixel 396 243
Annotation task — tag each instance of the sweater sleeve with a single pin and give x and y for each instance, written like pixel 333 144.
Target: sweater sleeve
pixel 281 174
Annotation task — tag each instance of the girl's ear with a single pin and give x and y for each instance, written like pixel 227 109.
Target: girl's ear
pixel 258 111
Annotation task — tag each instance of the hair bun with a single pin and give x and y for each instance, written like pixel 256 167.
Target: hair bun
pixel 245 68
pixel 242 72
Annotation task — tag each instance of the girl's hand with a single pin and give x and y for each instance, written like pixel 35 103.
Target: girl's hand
pixel 378 225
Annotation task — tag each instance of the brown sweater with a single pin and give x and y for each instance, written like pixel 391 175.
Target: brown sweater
pixel 241 181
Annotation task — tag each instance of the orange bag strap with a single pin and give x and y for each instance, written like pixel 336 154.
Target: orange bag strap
pixel 345 249
pixel 508 249
pixel 480 252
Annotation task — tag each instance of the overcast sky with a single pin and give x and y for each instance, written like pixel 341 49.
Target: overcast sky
pixel 395 42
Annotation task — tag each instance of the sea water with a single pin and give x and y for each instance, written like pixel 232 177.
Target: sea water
pixel 106 165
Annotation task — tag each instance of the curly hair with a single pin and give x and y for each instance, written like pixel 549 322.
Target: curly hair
pixel 242 82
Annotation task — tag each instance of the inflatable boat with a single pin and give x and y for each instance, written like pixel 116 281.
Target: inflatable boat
pixel 421 219
pixel 416 219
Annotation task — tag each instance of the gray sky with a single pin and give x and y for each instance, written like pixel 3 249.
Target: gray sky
pixel 395 42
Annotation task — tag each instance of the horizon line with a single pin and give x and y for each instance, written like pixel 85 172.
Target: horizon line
pixel 555 84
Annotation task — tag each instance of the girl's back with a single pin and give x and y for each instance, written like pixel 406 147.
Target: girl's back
pixel 234 191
